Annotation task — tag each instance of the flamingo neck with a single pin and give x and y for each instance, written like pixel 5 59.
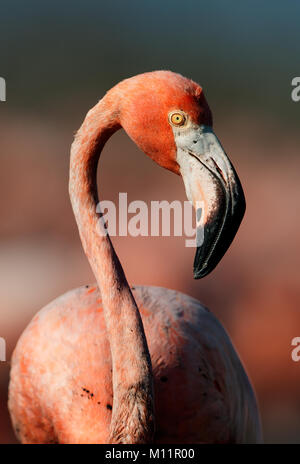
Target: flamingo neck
pixel 133 404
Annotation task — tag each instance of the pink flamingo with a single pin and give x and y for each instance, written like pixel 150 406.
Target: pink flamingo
pixel 112 364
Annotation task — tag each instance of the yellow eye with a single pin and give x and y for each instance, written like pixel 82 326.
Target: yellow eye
pixel 178 119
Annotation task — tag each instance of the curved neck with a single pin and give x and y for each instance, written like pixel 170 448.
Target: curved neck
pixel 133 403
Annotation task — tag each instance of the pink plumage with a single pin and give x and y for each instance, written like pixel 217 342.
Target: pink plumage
pixel 111 364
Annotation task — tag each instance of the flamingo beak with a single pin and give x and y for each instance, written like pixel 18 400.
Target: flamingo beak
pixel 214 188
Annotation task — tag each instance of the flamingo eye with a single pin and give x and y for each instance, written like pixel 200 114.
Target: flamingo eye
pixel 177 119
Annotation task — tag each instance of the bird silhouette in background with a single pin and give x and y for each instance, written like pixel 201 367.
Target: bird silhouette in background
pixel 107 363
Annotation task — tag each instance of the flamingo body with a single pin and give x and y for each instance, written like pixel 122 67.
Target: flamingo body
pixel 111 364
pixel 62 392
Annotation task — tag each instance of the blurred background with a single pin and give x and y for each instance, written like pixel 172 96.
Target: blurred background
pixel 58 59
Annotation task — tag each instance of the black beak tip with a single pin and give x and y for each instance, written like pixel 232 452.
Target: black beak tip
pixel 200 273
pixel 202 267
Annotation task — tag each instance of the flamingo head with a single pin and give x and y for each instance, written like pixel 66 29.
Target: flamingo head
pixel 168 117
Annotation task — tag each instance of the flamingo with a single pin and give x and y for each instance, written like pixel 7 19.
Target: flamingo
pixel 107 363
